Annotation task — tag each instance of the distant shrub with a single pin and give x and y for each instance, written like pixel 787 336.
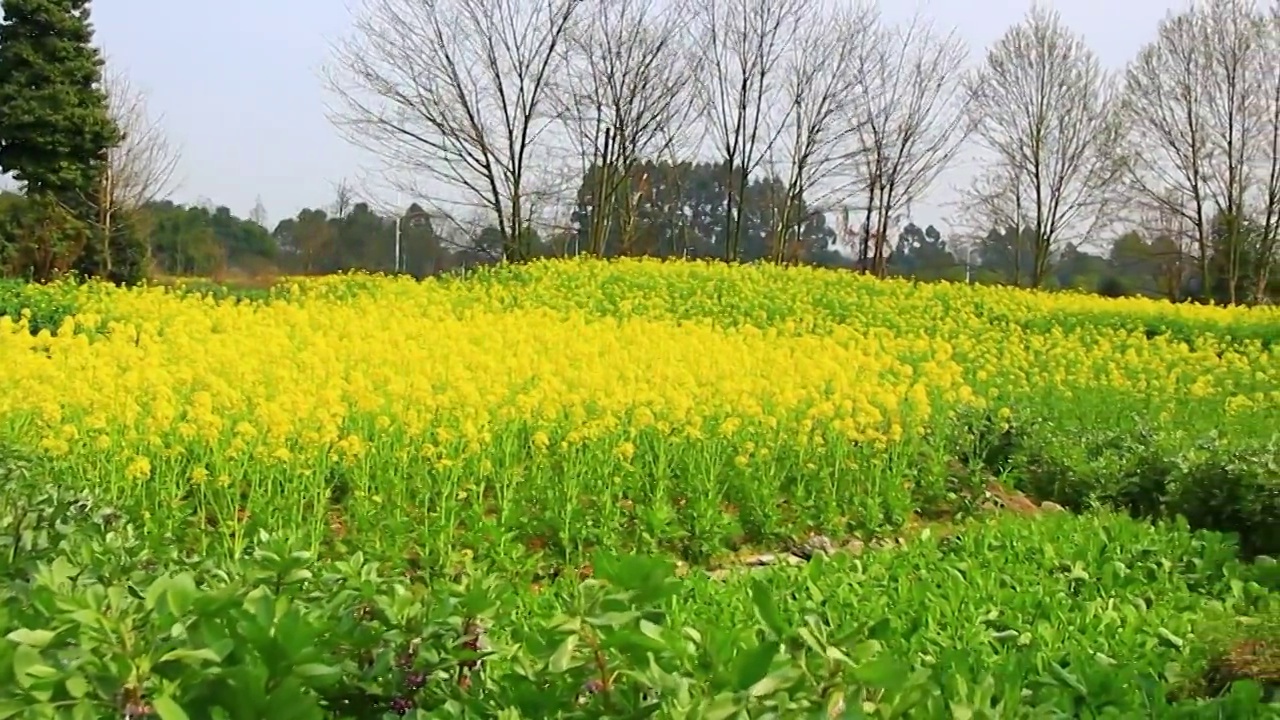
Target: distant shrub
pixel 1112 286
pixel 44 308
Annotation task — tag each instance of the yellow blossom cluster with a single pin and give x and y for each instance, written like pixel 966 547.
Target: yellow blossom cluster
pixel 699 380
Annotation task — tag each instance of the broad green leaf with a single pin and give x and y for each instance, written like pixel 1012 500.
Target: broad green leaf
pixel 77 686
pixel 754 664
pixel 766 609
pixel 155 591
pixel 772 683
pixel 562 658
pixel 881 629
pixel 565 623
pixel 651 630
pixel 25 657
pixel 810 639
pixel 866 650
pixel 31 638
pixel 613 619
pixel 1169 639
pixel 181 593
pixel 29 666
pixel 87 617
pixel 297 575
pixel 722 707
pixel 883 672
pixel 834 653
pixel 193 657
pixel 309 670
pixel 168 709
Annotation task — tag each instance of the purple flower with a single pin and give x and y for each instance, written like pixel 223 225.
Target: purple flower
pixel 415 680
pixel 401 706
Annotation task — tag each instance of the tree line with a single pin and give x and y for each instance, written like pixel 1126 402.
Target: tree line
pixel 746 130
pixel 837 112
pixel 346 234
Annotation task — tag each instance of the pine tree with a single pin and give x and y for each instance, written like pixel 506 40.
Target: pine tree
pixel 55 128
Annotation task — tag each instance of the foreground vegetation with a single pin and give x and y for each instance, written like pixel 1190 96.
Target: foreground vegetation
pixel 535 491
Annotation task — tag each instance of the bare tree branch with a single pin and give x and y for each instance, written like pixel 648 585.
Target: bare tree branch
pixel 743 47
pixel 138 170
pixel 344 199
pixel 1044 110
pixel 455 90
pixel 913 120
pixel 1232 29
pixel 1164 111
pixel 1201 106
pixel 142 166
pixel 995 201
pixel 1269 157
pixel 628 69
pixel 1172 241
pixel 820 133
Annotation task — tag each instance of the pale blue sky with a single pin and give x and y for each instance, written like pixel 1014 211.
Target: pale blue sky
pixel 238 84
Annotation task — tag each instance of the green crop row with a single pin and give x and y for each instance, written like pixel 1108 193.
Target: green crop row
pixel 1225 480
pixel 1004 617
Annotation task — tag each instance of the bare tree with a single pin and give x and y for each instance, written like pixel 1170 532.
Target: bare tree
pixel 455 90
pixel 1202 105
pixel 1044 110
pixel 995 201
pixel 259 212
pixel 1172 248
pixel 1233 43
pixel 1164 111
pixel 1268 236
pixel 463 234
pixel 140 168
pixel 344 199
pixel 911 121
pixel 314 238
pixel 743 45
pixel 820 133
pixel 628 69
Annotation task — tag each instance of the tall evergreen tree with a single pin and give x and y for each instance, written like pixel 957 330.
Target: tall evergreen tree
pixel 55 129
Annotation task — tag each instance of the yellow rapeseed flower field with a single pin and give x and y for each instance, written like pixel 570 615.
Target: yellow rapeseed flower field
pixel 584 403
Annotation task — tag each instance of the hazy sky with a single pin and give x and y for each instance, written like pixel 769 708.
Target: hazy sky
pixel 238 84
